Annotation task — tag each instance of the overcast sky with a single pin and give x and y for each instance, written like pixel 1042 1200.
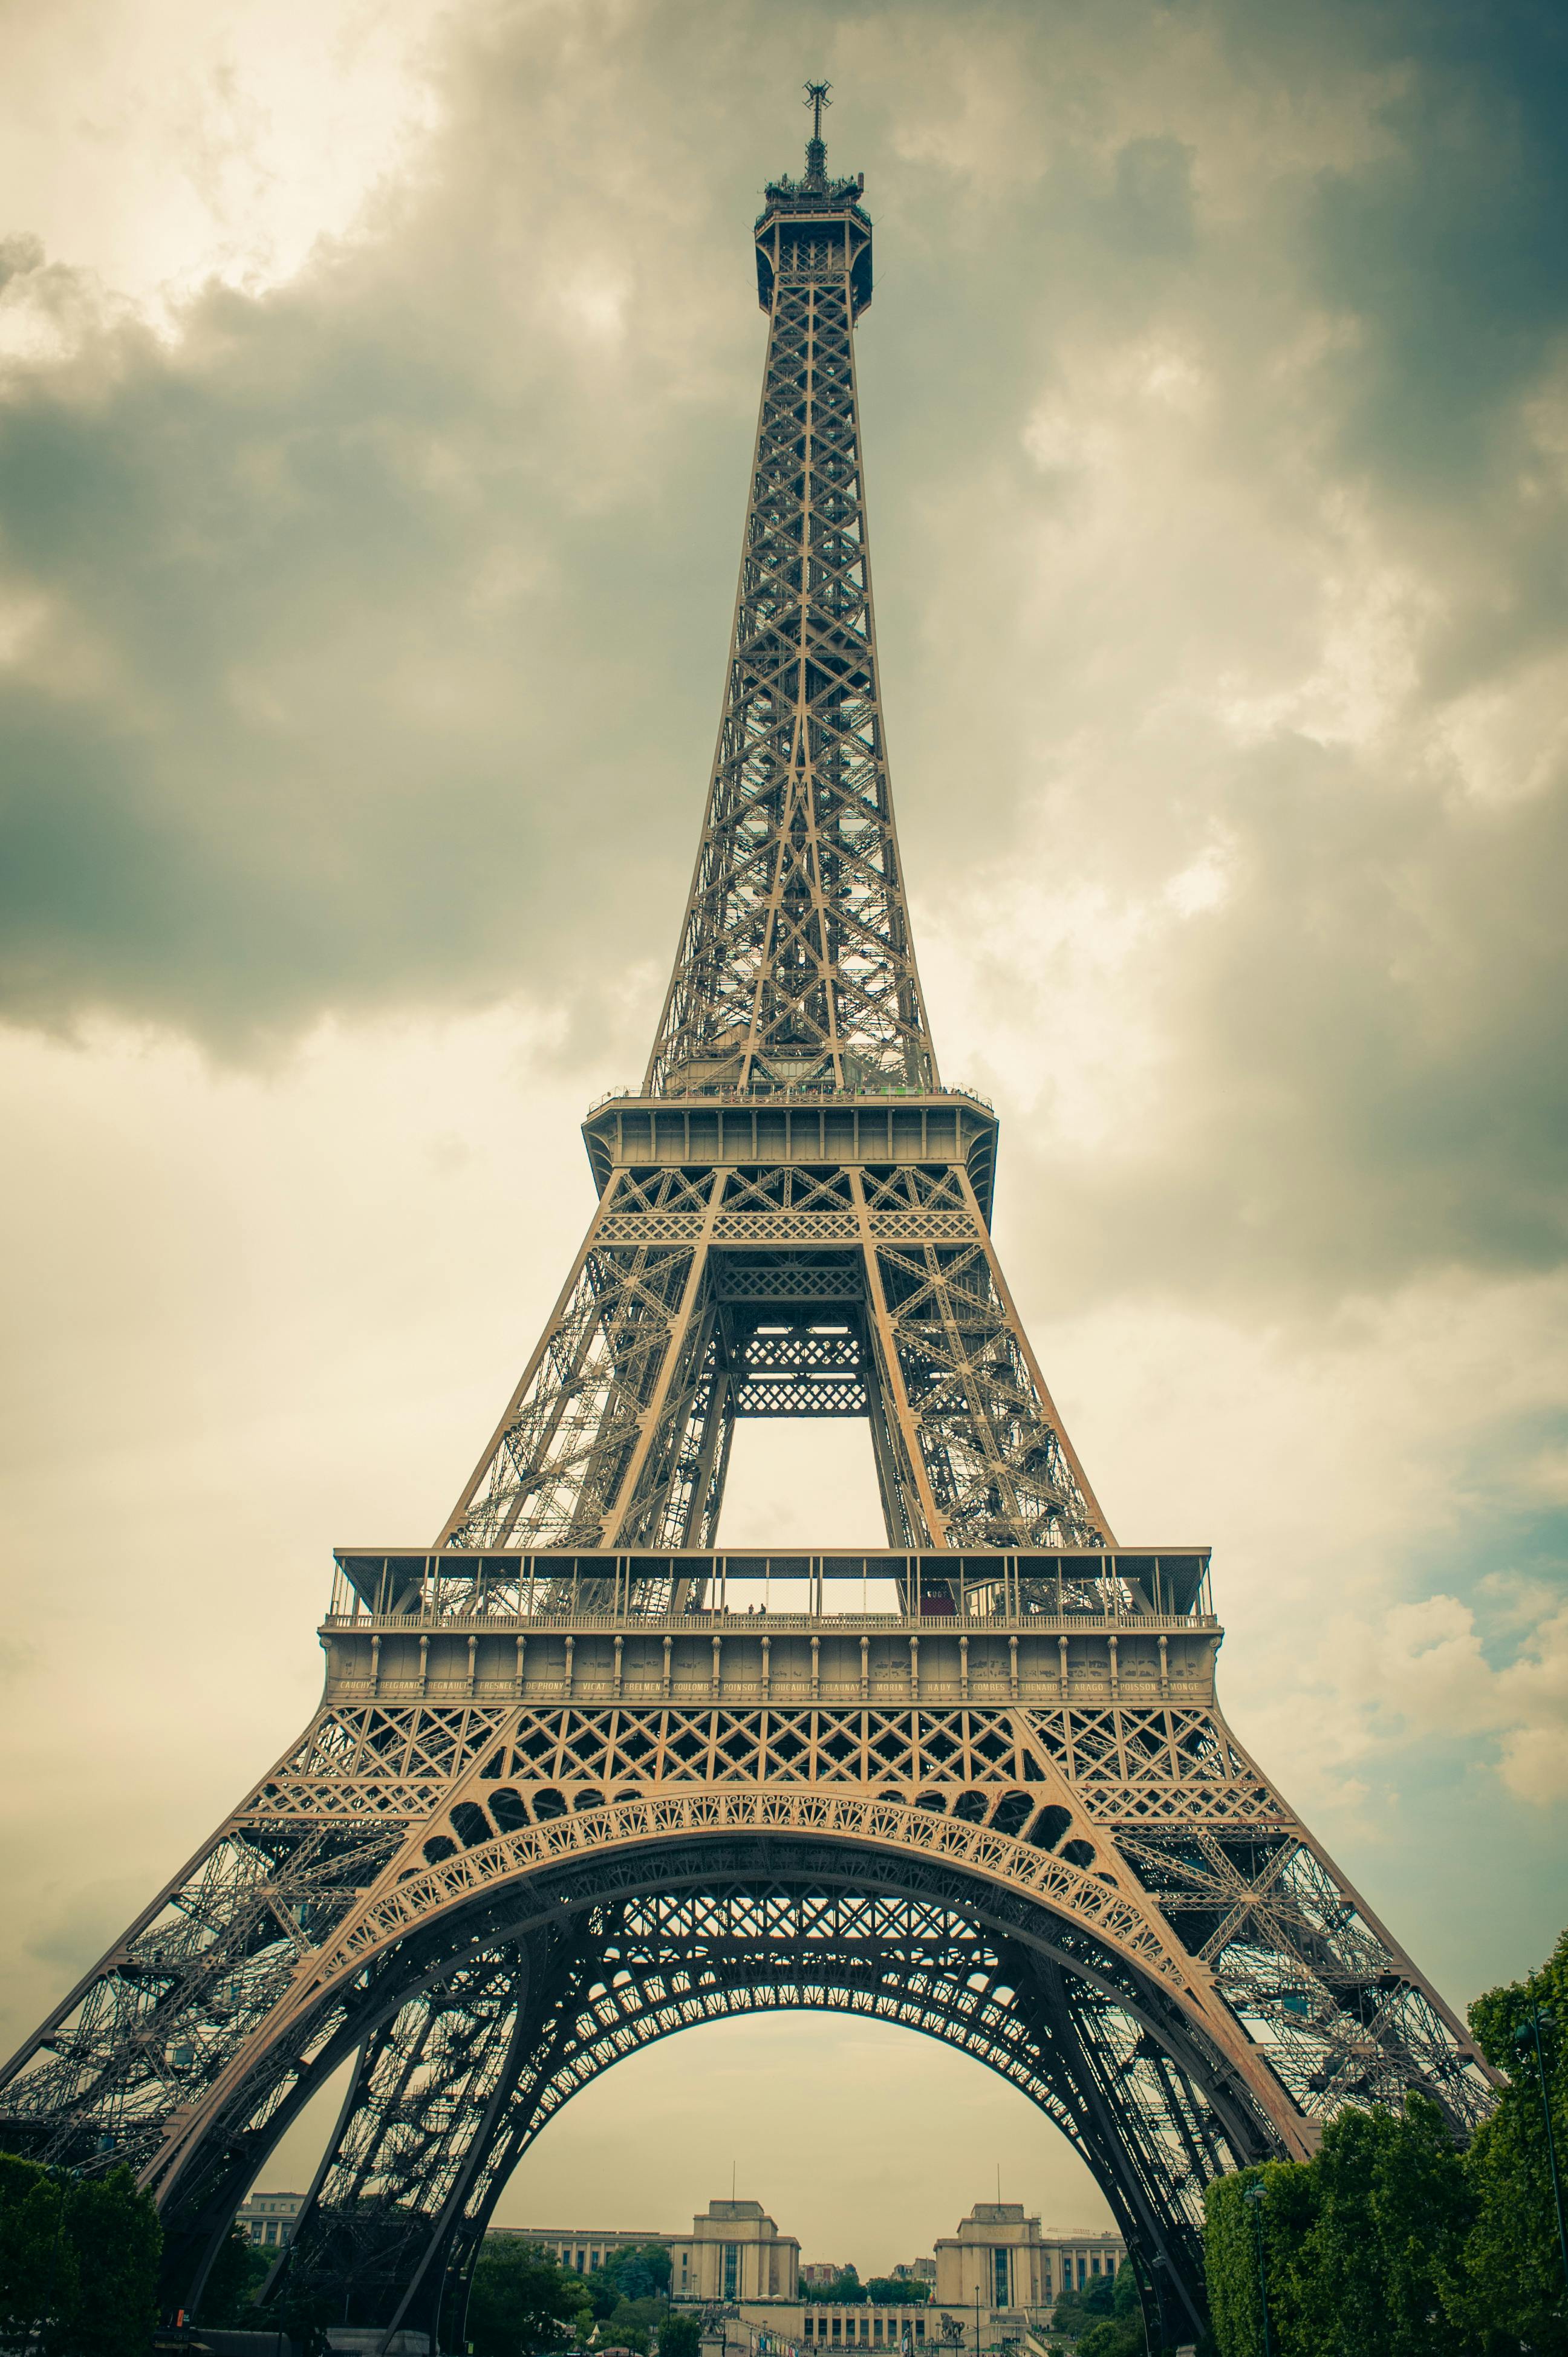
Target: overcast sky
pixel 378 390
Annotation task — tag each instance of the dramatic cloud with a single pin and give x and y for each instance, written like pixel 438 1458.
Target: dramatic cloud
pixel 363 631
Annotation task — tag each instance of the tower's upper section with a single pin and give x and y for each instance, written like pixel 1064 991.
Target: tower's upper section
pixel 814 228
pixel 795 971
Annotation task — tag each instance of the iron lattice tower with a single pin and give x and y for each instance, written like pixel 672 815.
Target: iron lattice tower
pixel 560 1799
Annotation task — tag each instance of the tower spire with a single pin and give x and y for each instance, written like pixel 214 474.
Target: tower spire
pixel 816 152
pixel 795 967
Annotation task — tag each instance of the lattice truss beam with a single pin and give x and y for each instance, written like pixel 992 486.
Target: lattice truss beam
pixel 1157 1805
pixel 685 1310
pixel 795 962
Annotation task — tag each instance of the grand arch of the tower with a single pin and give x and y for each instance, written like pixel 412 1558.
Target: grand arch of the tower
pixel 479 1996
pixel 580 1777
pixel 636 1943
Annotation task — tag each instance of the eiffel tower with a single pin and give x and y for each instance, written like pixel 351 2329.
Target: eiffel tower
pixel 565 1793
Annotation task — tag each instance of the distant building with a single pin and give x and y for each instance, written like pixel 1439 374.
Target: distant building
pixel 998 2277
pixel 1001 2272
pixel 268 2218
pixel 584 2248
pixel 735 2254
pixel 863 2326
pixel 1078 2259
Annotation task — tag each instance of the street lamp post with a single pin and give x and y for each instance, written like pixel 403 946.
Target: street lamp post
pixel 1527 2034
pixel 1254 2195
pixel 1145 2296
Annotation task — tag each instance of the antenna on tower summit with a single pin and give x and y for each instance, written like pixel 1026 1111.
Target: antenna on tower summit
pixel 816 98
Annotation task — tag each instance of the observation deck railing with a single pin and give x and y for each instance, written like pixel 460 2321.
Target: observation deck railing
pixel 787 1093
pixel 734 1590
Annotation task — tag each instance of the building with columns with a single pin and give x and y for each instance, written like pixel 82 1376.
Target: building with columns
pixel 734 2253
pixel 584 2248
pixel 1074 2259
pixel 1002 2268
pixel 268 2218
pixel 998 2276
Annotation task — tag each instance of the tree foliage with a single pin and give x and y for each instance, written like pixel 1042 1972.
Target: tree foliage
pixel 680 2336
pixel 1513 2290
pixel 631 2324
pixel 846 2291
pixel 1113 2336
pixel 1361 2249
pixel 233 2280
pixel 1392 2243
pixel 301 2307
pixel 1074 2311
pixel 1106 2318
pixel 897 2291
pixel 1386 2245
pixel 628 2297
pixel 523 2301
pixel 79 2261
pixel 639 2272
pixel 1246 2244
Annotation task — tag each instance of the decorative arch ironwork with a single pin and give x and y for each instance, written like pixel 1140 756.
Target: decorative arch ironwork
pixel 472 2029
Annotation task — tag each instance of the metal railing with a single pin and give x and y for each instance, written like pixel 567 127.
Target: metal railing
pixel 801 1093
pixel 702 1622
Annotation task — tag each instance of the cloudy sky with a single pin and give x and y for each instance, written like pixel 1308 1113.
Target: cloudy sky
pixel 378 386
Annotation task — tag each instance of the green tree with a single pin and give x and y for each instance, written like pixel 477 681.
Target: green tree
pixel 301 2309
pixel 1362 2248
pixel 1233 2229
pixel 79 2261
pixel 846 2292
pixel 1076 2312
pixel 897 2291
pixel 119 2243
pixel 680 2336
pixel 522 2302
pixel 1382 2256
pixel 642 2271
pixel 235 2277
pixel 37 2260
pixel 602 2292
pixel 1512 2292
pixel 1114 2336
pixel 1119 2334
pixel 631 2324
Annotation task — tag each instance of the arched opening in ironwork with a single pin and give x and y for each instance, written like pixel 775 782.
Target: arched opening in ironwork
pixel 471 2033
